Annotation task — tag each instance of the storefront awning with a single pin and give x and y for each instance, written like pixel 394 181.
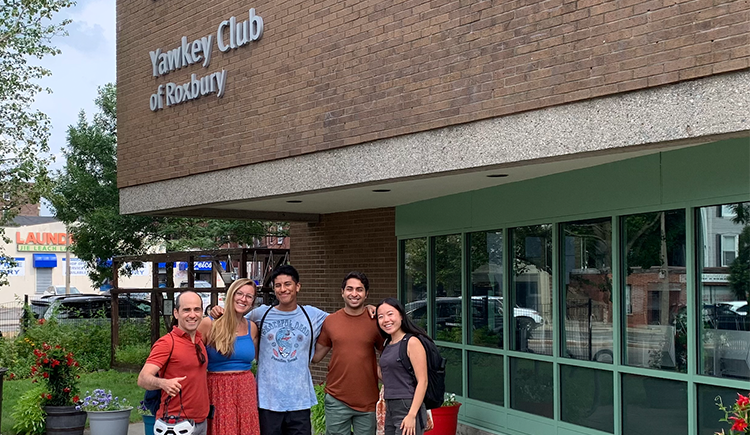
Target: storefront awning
pixel 45 260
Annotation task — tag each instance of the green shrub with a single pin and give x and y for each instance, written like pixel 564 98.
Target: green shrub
pixel 318 412
pixel 133 354
pixel 28 414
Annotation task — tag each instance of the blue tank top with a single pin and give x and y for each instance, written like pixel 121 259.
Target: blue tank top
pixel 240 360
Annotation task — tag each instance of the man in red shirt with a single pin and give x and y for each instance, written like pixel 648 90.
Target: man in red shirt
pixel 352 380
pixel 183 383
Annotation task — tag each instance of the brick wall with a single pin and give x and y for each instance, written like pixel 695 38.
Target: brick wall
pixel 332 73
pixel 325 252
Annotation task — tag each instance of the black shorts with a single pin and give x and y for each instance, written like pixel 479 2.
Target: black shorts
pixel 285 423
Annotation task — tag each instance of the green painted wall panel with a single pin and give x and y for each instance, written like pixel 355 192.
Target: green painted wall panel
pixel 519 424
pixel 716 169
pixel 697 173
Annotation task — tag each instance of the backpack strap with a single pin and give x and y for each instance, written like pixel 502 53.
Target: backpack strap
pixel 312 333
pixel 403 356
pixel 263 319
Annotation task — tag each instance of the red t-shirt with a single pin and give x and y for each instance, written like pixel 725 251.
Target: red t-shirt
pixel 353 369
pixel 184 362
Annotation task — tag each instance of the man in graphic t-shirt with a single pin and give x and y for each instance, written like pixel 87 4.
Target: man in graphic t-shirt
pixel 285 388
pixel 352 380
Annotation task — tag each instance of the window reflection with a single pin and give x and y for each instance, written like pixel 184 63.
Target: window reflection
pixel 655 290
pixel 587 290
pixel 415 280
pixel 724 234
pixel 486 311
pixel 531 284
pixel 448 288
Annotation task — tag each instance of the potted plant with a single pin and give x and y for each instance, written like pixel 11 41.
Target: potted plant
pixel 108 415
pixel 57 370
pixel 740 415
pixel 148 419
pixel 445 418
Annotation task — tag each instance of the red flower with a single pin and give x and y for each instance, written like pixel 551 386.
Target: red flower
pixel 55 363
pixel 739 424
pixel 49 396
pixel 46 346
pixel 742 401
pixel 33 369
pixel 66 389
pixel 12 375
pixel 45 360
pixel 57 346
pixel 45 375
pixel 75 399
pixel 40 321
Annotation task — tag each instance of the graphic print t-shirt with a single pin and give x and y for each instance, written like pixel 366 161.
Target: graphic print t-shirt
pixel 284 380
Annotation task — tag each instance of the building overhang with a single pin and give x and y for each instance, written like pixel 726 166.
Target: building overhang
pixel 461 158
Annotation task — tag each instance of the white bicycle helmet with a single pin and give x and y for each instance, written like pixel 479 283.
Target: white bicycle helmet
pixel 173 426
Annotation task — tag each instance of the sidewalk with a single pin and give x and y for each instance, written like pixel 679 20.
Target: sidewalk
pixel 133 429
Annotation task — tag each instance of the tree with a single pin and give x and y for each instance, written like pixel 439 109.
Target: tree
pixel 25 32
pixel 85 197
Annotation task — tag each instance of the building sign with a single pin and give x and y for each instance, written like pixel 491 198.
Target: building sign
pixel 41 242
pixel 77 267
pixel 145 270
pixel 18 270
pixel 715 277
pixel 230 35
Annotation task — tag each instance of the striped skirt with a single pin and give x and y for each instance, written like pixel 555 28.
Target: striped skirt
pixel 235 400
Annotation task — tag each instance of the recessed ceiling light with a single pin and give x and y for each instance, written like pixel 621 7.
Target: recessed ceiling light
pixel 294 201
pixel 497 175
pixel 381 190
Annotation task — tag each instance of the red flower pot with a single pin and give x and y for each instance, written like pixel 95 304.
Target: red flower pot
pixel 445 420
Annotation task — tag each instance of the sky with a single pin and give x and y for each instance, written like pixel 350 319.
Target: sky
pixel 86 63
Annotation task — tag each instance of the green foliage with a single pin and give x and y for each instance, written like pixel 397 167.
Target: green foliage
pixel 25 33
pixel 27 413
pixel 124 382
pixel 318 412
pixel 85 196
pixel 132 354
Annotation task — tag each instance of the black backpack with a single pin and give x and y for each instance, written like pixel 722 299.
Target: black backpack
pixel 433 397
pixel 152 398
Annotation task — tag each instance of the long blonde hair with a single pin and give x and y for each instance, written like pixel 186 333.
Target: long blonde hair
pixel 223 329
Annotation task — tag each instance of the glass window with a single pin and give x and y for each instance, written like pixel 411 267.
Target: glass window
pixel 486 377
pixel 448 288
pixel 724 288
pixel 587 397
pixel 532 387
pixel 654 247
pixel 708 413
pixel 587 289
pixel 653 406
pixel 486 273
pixel 453 369
pixel 415 280
pixel 531 287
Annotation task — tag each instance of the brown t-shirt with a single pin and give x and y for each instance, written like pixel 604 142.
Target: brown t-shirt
pixel 353 369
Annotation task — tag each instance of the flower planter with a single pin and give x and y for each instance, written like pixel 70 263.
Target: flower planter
pixel 445 420
pixel 148 424
pixel 64 420
pixel 109 422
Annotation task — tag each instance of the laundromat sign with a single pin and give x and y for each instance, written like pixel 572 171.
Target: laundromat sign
pixel 41 242
pixel 231 34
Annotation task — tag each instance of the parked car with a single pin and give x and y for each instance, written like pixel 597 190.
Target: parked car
pixel 739 307
pixel 92 307
pixel 485 311
pixel 56 290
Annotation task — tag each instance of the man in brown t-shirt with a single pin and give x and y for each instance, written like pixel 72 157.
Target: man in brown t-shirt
pixel 352 380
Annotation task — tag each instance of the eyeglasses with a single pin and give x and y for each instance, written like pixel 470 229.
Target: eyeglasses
pixel 240 295
pixel 199 354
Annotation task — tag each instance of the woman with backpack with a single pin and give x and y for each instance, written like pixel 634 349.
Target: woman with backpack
pixel 405 412
pixel 231 344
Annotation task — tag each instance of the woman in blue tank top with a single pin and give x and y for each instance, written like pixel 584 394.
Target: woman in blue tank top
pixel 405 413
pixel 231 344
